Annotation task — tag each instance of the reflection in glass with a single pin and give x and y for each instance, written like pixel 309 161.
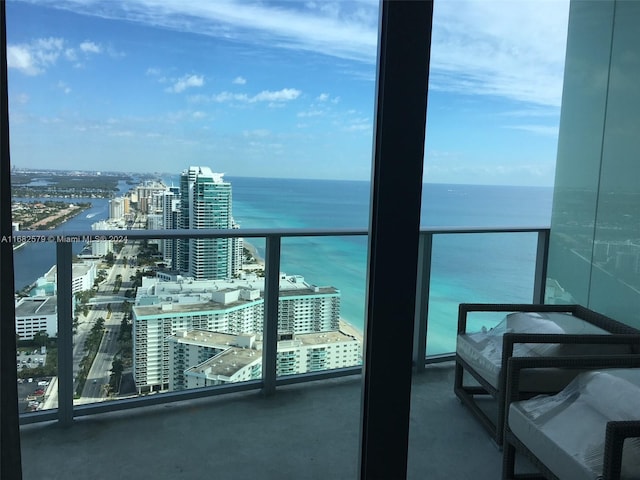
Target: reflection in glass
pixel 594 253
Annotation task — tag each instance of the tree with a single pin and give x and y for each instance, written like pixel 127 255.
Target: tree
pixel 41 338
pixel 117 367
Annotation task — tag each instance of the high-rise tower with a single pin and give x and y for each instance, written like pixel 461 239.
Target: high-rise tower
pixel 205 202
pixel 170 208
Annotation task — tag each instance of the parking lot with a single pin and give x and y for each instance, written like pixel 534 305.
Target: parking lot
pixel 31 359
pixel 31 393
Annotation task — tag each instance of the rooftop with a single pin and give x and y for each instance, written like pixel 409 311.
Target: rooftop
pixel 234 357
pixel 30 306
pixel 170 308
pixel 227 363
pixel 190 295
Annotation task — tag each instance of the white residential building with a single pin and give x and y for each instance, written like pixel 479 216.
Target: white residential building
pixel 82 277
pixel 35 314
pixel 118 208
pixel 102 247
pixel 234 307
pixel 200 358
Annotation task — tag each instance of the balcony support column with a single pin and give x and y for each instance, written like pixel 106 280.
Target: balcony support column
pixel 396 189
pixel 542 256
pixel 10 456
pixel 423 283
pixel 64 268
pixel 270 328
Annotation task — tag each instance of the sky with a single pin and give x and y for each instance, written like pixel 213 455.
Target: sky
pixel 277 89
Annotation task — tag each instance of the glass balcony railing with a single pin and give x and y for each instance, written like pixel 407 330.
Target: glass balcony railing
pixel 125 339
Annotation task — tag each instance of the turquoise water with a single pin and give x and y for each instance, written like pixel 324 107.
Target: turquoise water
pixel 465 268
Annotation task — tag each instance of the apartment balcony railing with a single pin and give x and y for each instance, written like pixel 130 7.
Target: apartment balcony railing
pixel 66 410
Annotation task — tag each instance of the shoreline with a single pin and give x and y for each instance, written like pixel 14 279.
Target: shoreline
pixel 254 252
pixel 55 220
pixel 348 329
pixel 344 326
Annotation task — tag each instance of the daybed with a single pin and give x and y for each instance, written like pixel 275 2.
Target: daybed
pixel 529 331
pixel 579 433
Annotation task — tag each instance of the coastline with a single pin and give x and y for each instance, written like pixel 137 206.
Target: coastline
pixel 254 252
pixel 53 221
pixel 349 329
pixel 344 326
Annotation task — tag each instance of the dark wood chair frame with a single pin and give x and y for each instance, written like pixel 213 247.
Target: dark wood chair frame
pixel 616 431
pixel 620 333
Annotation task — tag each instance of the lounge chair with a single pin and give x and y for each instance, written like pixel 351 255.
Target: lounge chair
pixel 530 331
pixel 588 431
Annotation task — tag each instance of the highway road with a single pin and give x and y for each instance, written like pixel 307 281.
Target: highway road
pixel 98 378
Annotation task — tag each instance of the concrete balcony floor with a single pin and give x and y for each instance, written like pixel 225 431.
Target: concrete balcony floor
pixel 304 431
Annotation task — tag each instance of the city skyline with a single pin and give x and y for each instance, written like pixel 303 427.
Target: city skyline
pixel 281 89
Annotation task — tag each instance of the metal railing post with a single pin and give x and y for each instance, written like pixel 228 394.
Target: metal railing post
pixel 542 256
pixel 423 284
pixel 270 327
pixel 65 333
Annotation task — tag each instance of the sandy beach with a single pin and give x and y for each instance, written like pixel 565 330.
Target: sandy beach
pixel 346 327
pixel 254 252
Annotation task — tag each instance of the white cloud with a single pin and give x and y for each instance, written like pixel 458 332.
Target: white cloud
pixel 508 49
pixel 228 97
pixel 185 82
pixel 283 95
pixel 323 97
pixel 500 48
pixel 239 81
pixel 90 47
pixel 38 55
pixel 341 29
pixel 359 125
pixel 20 58
pixel 70 54
pixel 273 97
pixel 34 58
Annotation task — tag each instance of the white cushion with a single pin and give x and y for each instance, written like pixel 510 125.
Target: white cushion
pixel 567 431
pixel 483 350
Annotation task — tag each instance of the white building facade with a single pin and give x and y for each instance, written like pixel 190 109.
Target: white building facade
pixel 36 314
pixel 234 307
pixel 199 358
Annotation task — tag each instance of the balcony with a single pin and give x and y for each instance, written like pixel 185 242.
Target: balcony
pixel 311 410
pixel 302 403
pixel 304 431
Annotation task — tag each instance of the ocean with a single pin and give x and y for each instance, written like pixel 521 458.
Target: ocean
pixel 465 268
